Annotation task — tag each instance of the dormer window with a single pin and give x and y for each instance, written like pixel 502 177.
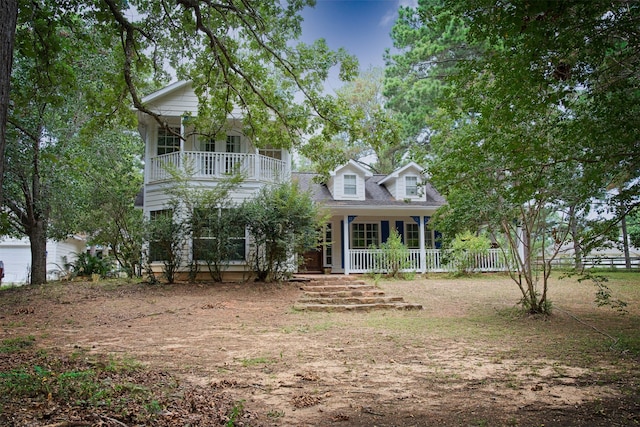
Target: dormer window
pixel 350 185
pixel 411 185
pixel 168 140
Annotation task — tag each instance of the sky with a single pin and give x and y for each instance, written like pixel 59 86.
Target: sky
pixel 362 27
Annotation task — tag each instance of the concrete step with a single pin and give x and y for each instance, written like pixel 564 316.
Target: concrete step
pixel 351 300
pixel 356 307
pixel 345 294
pixel 336 288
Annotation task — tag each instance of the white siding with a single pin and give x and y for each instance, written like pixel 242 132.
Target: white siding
pixel 175 103
pixel 338 185
pixel 16 255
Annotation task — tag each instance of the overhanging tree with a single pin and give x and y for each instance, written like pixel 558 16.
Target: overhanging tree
pixel 527 127
pixel 56 61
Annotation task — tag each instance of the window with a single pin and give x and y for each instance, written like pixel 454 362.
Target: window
pixel 208 225
pixel 328 248
pixel 274 153
pixel 168 140
pixel 364 235
pixel 350 185
pixel 233 144
pixel 209 145
pixel 160 242
pixel 411 185
pixel 412 236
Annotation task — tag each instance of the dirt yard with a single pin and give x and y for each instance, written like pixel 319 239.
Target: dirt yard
pixel 467 359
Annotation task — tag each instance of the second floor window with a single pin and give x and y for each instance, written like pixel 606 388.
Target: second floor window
pixel 233 144
pixel 168 140
pixel 411 185
pixel 350 185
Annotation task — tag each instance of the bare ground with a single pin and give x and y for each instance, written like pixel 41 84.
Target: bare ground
pixel 467 359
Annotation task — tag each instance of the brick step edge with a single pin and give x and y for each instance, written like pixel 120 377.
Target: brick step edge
pixel 352 300
pixel 355 307
pixel 335 288
pixel 344 294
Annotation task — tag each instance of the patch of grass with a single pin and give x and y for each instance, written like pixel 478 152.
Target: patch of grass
pixel 17 344
pixel 257 361
pixel 626 343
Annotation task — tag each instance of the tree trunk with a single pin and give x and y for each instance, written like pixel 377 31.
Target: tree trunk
pixel 38 240
pixel 625 243
pixel 8 19
pixel 577 248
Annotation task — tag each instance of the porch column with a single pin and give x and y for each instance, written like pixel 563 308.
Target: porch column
pixel 182 132
pixel 423 252
pixel 345 245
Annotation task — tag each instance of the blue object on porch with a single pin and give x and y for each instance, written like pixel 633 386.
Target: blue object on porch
pixel 426 219
pixel 384 230
pixel 351 218
pixel 416 219
pixel 438 239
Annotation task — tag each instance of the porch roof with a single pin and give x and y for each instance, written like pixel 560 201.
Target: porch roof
pixel 376 194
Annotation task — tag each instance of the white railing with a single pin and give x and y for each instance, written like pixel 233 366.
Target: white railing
pixel 207 165
pixel 376 260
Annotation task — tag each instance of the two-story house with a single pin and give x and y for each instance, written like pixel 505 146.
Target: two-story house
pixel 364 207
pixel 178 146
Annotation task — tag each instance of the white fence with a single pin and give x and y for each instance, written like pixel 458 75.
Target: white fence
pixel 376 260
pixel 203 164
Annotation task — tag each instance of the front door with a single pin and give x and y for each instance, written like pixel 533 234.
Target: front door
pixel 312 261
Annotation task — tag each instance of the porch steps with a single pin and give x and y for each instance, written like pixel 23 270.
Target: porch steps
pixel 340 293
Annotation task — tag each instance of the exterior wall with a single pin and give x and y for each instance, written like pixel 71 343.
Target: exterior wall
pixel 338 185
pixel 16 255
pixel 176 102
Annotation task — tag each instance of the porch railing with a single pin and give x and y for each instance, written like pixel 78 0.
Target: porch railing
pixel 208 165
pixel 376 260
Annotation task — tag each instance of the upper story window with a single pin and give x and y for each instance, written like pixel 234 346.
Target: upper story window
pixel 168 140
pixel 233 144
pixel 350 185
pixel 411 185
pixel 209 145
pixel 274 153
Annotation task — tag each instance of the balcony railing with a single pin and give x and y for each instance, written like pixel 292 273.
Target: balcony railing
pixel 208 165
pixel 376 260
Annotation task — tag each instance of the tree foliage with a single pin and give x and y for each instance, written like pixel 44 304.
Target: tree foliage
pixel 56 63
pixel 536 117
pixel 374 136
pixel 283 223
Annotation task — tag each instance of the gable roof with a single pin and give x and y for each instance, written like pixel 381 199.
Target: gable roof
pixel 165 91
pixel 364 171
pixel 396 173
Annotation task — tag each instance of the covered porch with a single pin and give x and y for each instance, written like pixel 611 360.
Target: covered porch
pixel 348 241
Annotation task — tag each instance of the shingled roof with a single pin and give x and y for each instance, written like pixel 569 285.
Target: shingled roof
pixel 375 193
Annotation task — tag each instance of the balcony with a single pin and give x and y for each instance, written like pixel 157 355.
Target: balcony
pixel 208 165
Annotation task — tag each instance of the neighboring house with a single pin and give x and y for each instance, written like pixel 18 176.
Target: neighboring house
pixel 365 208
pixel 16 256
pixel 209 160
